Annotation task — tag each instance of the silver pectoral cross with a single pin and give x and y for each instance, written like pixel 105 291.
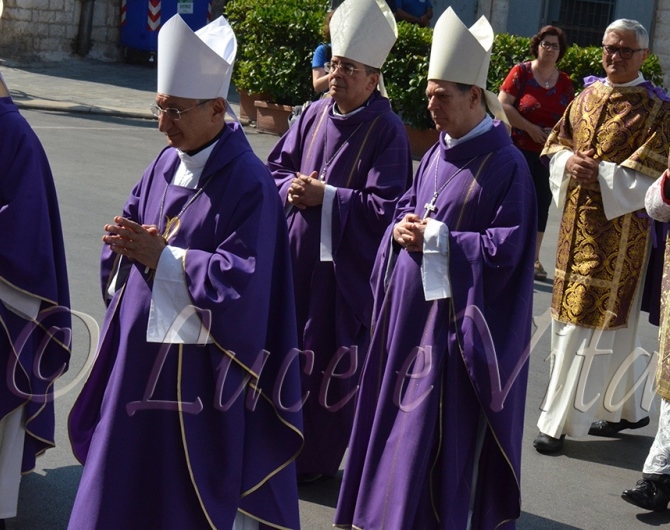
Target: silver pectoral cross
pixel 430 206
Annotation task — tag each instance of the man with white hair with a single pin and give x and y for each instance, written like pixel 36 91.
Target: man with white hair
pixel 605 152
pixel 188 419
pixel 340 171
pixel 439 418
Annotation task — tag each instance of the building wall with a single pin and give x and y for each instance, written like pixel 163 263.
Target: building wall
pixel 48 30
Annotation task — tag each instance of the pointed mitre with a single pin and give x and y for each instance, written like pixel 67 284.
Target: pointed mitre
pixel 462 55
pixel 196 65
pixel 363 31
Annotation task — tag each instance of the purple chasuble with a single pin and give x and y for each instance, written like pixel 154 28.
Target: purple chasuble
pixel 366 157
pixel 179 435
pixel 441 406
pixel 32 259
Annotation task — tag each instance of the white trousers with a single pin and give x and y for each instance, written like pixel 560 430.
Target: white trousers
pixel 658 459
pixel 596 374
pixel 12 436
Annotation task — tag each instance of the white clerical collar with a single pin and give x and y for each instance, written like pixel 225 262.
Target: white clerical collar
pixel 638 80
pixel 483 127
pixel 188 173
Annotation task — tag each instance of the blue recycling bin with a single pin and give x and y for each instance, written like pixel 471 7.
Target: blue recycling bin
pixel 141 20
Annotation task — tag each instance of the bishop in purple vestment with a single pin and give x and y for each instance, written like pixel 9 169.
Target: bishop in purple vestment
pixel 437 435
pixel 190 418
pixel 34 302
pixel 340 171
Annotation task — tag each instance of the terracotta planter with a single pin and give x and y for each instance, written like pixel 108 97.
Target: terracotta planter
pixel 247 108
pixel 272 118
pixel 421 140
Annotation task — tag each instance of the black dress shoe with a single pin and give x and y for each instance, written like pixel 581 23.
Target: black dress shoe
pixel 648 495
pixel 309 478
pixel 610 429
pixel 547 444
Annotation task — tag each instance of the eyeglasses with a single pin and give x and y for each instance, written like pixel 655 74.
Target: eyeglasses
pixel 550 45
pixel 348 69
pixel 173 114
pixel 624 53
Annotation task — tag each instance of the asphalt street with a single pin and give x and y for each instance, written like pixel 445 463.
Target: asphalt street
pixel 94 122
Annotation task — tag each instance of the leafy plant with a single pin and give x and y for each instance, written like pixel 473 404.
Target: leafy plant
pixel 406 74
pixel 276 42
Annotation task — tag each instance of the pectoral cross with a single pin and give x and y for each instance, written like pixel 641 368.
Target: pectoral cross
pixel 430 206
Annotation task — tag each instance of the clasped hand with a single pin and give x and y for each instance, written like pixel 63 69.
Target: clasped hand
pixel 141 243
pixel 408 232
pixel 305 191
pixel 583 167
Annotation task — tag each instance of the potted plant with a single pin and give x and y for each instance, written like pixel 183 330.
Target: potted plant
pixel 276 41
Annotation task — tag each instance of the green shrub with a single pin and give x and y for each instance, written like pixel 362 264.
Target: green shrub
pixel 276 41
pixel 406 74
pixel 578 62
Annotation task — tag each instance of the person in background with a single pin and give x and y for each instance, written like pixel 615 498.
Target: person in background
pixel 334 4
pixel 340 169
pixel 188 419
pixel 436 442
pixel 414 11
pixel 34 302
pixel 610 145
pixel 322 55
pixel 534 96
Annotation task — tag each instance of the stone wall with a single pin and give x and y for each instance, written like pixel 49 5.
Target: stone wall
pixel 48 30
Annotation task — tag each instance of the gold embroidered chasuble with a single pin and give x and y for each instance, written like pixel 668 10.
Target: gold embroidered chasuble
pixel 600 262
pixel 663 370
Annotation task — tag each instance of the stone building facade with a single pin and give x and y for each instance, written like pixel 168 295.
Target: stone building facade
pixel 51 30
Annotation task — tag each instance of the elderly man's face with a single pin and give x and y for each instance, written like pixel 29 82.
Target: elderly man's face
pixel 195 126
pixel 618 68
pixel 350 91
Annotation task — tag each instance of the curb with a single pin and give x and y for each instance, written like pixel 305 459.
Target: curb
pixel 63 106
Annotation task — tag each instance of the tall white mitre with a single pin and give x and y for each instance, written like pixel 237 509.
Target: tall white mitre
pixel 462 55
pixel 196 65
pixel 363 31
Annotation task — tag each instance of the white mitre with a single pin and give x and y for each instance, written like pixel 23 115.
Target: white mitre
pixel 195 65
pixel 364 31
pixel 462 55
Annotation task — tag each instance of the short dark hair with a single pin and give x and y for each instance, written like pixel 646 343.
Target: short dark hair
pixel 369 70
pixel 465 88
pixel 549 30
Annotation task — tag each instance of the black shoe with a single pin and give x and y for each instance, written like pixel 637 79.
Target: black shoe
pixel 309 478
pixel 2 524
pixel 647 495
pixel 547 444
pixel 610 429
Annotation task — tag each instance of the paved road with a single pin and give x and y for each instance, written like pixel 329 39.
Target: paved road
pixel 98 154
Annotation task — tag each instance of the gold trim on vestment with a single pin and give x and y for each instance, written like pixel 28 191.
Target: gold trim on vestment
pixel 317 129
pixel 361 147
pixel 183 437
pixel 663 369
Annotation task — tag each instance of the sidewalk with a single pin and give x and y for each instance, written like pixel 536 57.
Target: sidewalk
pixel 87 86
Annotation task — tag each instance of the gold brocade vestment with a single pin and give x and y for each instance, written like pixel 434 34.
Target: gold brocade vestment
pixel 663 370
pixel 600 262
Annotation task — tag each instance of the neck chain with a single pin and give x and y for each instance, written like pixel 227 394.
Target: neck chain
pixel 322 176
pixel 172 223
pixel 430 206
pixel 546 81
